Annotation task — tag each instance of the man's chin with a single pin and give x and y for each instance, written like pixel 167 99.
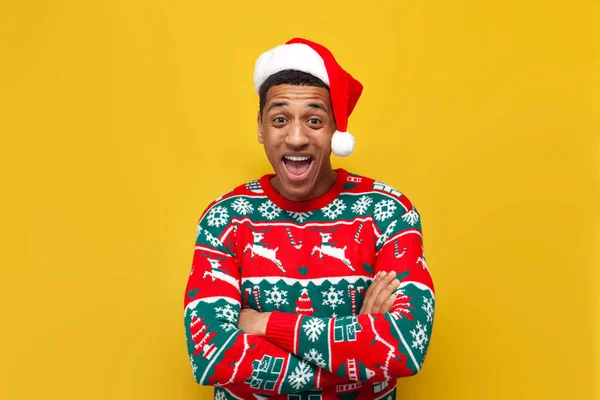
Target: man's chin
pixel 294 187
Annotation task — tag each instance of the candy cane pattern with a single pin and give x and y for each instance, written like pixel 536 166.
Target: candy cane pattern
pixel 297 246
pixel 356 239
pixel 256 292
pixel 396 252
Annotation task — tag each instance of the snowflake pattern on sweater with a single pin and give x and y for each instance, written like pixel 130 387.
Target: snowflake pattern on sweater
pixel 309 264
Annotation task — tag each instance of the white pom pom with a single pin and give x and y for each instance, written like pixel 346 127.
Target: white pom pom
pixel 342 143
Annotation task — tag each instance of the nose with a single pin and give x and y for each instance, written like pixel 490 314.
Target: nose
pixel 297 137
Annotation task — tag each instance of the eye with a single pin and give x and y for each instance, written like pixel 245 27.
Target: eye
pixel 314 121
pixel 279 120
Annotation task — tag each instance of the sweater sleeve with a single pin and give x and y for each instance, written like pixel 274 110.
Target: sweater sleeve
pixel 221 354
pixel 373 347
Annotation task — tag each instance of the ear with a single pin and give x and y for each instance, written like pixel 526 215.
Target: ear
pixel 259 128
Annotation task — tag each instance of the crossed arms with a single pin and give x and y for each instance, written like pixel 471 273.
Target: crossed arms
pixel 231 347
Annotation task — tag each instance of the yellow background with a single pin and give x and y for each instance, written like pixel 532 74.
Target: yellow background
pixel 121 120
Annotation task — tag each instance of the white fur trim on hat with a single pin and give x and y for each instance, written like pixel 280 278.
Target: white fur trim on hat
pixel 342 143
pixel 297 56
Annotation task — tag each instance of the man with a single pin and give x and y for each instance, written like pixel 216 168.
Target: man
pixel 310 283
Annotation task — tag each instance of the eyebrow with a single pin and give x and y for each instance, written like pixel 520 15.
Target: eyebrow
pixel 278 104
pixel 285 103
pixel 318 105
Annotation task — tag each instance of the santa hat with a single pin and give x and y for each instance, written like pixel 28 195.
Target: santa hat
pixel 312 58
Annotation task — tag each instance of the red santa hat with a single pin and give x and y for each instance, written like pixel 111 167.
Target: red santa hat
pixel 306 56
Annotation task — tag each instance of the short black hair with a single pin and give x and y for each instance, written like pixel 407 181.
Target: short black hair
pixel 287 77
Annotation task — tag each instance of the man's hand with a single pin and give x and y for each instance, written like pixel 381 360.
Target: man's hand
pixel 253 322
pixel 379 297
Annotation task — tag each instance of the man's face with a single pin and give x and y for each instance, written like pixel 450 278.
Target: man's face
pixel 296 127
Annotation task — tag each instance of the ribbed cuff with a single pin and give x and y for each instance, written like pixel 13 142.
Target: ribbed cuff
pixel 281 330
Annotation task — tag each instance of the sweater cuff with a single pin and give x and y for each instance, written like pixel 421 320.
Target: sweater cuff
pixel 281 330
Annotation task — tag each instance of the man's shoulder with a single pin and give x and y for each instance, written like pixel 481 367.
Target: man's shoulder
pixel 241 199
pixel 390 209
pixel 251 188
pixel 376 189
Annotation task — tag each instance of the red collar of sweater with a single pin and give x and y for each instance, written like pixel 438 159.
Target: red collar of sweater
pixel 304 206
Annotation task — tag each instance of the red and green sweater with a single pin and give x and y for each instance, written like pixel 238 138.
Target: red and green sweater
pixel 310 264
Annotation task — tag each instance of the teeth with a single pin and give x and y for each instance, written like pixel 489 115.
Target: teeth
pixel 297 158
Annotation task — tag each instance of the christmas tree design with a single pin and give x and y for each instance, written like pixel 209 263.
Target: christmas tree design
pixel 201 337
pixel 304 304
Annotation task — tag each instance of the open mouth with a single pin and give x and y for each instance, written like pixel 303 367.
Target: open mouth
pixel 297 167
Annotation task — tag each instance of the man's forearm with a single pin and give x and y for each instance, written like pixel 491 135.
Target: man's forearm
pixel 339 343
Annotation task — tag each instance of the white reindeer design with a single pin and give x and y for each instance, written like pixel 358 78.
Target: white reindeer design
pixel 261 250
pixel 327 249
pixel 216 273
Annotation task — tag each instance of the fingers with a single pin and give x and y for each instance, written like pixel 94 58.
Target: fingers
pixel 388 302
pixel 379 292
pixel 368 299
pixel 384 300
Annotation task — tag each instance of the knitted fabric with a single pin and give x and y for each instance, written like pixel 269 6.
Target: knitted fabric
pixel 310 264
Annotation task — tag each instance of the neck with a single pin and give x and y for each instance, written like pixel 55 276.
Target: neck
pixel 320 187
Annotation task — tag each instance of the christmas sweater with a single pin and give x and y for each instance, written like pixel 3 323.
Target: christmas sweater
pixel 309 264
